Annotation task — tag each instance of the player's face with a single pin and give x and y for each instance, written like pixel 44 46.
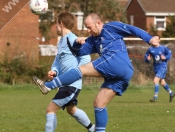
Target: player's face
pixel 58 27
pixel 93 27
pixel 157 40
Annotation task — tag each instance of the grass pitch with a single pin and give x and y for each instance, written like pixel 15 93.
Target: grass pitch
pixel 22 109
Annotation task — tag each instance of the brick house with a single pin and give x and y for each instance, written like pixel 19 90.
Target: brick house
pixel 144 13
pixel 19 31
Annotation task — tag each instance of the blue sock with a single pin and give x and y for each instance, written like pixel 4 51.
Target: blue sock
pixel 101 119
pixel 65 78
pixel 156 91
pixel 168 89
pixel 51 122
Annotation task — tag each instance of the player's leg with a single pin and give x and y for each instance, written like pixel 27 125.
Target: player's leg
pixel 104 96
pixel 156 89
pixel 51 119
pixel 168 89
pixel 61 99
pixel 73 75
pixel 80 116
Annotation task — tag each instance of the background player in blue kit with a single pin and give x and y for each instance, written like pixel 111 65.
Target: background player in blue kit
pixel 66 97
pixel 113 64
pixel 161 55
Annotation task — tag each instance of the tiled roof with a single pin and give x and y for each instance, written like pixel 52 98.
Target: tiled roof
pixel 156 6
pixel 163 6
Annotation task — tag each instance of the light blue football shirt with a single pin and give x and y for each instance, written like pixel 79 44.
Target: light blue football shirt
pixel 65 60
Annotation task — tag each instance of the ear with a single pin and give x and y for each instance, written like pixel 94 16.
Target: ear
pixel 98 23
pixel 61 24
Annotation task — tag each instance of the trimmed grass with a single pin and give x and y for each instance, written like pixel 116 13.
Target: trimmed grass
pixel 23 107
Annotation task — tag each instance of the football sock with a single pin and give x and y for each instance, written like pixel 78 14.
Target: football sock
pixel 101 119
pixel 156 91
pixel 65 79
pixel 167 88
pixel 83 119
pixel 51 122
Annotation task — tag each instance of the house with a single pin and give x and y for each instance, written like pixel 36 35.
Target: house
pixel 18 31
pixel 147 13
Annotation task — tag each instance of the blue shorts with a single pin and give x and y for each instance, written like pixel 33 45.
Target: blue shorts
pixel 66 95
pixel 116 70
pixel 161 72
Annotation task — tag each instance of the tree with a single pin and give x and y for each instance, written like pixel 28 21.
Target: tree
pixel 109 10
pixel 170 28
pixel 47 20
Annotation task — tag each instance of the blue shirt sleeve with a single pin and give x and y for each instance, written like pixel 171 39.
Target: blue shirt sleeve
pixel 86 48
pixel 124 30
pixel 168 53
pixel 146 55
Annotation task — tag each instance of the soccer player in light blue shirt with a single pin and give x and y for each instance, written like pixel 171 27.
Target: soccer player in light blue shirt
pixel 160 55
pixel 66 97
pixel 113 63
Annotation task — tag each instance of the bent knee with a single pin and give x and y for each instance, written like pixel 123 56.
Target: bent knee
pixel 71 110
pixel 99 104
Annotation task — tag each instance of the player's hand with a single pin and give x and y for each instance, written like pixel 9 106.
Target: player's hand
pixel 80 40
pixel 162 57
pixel 51 74
pixel 149 57
pixel 154 40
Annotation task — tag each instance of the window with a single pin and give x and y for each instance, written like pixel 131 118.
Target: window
pixel 80 22
pixel 160 22
pixel 132 20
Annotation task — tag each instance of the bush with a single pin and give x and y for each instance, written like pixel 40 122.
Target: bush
pixel 20 71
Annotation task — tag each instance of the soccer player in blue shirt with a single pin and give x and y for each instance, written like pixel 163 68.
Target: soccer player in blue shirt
pixel 66 97
pixel 161 55
pixel 113 63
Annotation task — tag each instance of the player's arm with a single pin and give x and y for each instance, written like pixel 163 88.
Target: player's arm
pixel 129 30
pixel 82 46
pixel 168 54
pixel 147 56
pixel 55 69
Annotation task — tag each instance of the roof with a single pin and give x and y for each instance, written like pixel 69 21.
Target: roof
pixel 156 6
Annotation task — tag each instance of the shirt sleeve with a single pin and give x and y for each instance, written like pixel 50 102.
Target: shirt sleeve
pixel 168 53
pixel 146 56
pixel 55 65
pixel 124 30
pixel 86 48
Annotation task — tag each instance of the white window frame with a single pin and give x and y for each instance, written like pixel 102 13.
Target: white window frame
pixel 158 19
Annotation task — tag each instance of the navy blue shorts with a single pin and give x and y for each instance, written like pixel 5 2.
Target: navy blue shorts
pixel 116 70
pixel 66 95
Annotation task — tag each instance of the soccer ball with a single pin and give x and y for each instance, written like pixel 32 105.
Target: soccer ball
pixel 38 7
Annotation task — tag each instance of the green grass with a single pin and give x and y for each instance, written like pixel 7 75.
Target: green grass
pixel 22 109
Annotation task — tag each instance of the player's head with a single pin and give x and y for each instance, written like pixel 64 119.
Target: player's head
pixel 94 24
pixel 65 20
pixel 157 39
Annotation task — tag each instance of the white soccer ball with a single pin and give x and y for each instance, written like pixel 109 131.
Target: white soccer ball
pixel 38 7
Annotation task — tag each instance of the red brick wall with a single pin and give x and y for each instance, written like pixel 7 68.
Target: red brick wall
pixel 20 33
pixel 139 16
